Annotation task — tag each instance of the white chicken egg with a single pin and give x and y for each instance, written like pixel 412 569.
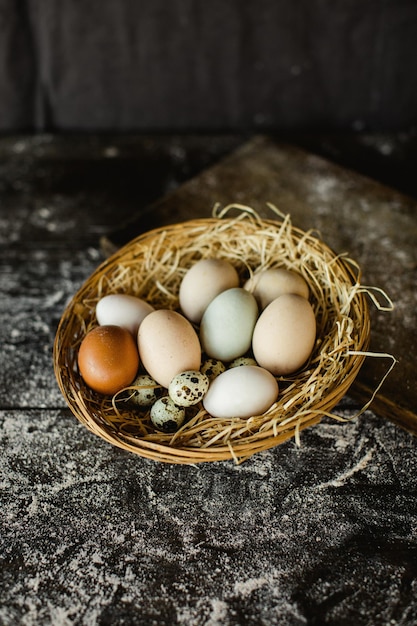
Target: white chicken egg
pixel 122 310
pixel 241 392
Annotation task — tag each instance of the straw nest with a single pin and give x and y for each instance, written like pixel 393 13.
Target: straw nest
pixel 152 267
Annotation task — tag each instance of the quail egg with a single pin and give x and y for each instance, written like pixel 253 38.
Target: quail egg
pixel 242 360
pixel 146 392
pixel 167 416
pixel 212 368
pixel 188 388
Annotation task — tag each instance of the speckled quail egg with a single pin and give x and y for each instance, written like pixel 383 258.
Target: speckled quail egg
pixel 242 360
pixel 212 368
pixel 167 416
pixel 188 388
pixel 146 392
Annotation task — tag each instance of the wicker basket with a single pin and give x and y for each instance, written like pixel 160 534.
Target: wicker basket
pixel 152 266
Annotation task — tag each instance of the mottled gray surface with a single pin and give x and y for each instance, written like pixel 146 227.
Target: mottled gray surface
pixel 325 533
pixel 321 534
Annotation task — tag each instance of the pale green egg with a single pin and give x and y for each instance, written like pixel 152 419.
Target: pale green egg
pixel 227 324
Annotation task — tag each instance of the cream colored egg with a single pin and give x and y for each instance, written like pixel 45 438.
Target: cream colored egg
pixel 202 283
pixel 122 310
pixel 284 335
pixel 168 345
pixel 241 392
pixel 227 324
pixel 269 284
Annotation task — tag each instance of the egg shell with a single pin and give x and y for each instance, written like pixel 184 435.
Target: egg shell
pixel 147 391
pixel 167 416
pixel 269 284
pixel 212 367
pixel 284 335
pixel 227 324
pixel 108 359
pixel 202 283
pixel 188 388
pixel 241 392
pixel 242 360
pixel 168 345
pixel 122 310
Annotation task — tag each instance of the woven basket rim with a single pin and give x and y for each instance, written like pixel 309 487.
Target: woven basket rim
pixel 68 378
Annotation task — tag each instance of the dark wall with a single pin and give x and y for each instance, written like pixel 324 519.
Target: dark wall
pixel 208 64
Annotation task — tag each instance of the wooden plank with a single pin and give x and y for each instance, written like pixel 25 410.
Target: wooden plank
pixel 372 223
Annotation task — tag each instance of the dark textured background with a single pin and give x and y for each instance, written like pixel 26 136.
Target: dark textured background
pixel 318 535
pixel 324 534
pixel 184 64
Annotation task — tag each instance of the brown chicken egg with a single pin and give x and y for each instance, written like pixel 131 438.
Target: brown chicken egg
pixel 108 359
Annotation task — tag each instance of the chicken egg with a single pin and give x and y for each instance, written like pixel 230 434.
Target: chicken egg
pixel 241 392
pixel 108 359
pixel 284 335
pixel 168 345
pixel 202 283
pixel 122 310
pixel 227 324
pixel 269 284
